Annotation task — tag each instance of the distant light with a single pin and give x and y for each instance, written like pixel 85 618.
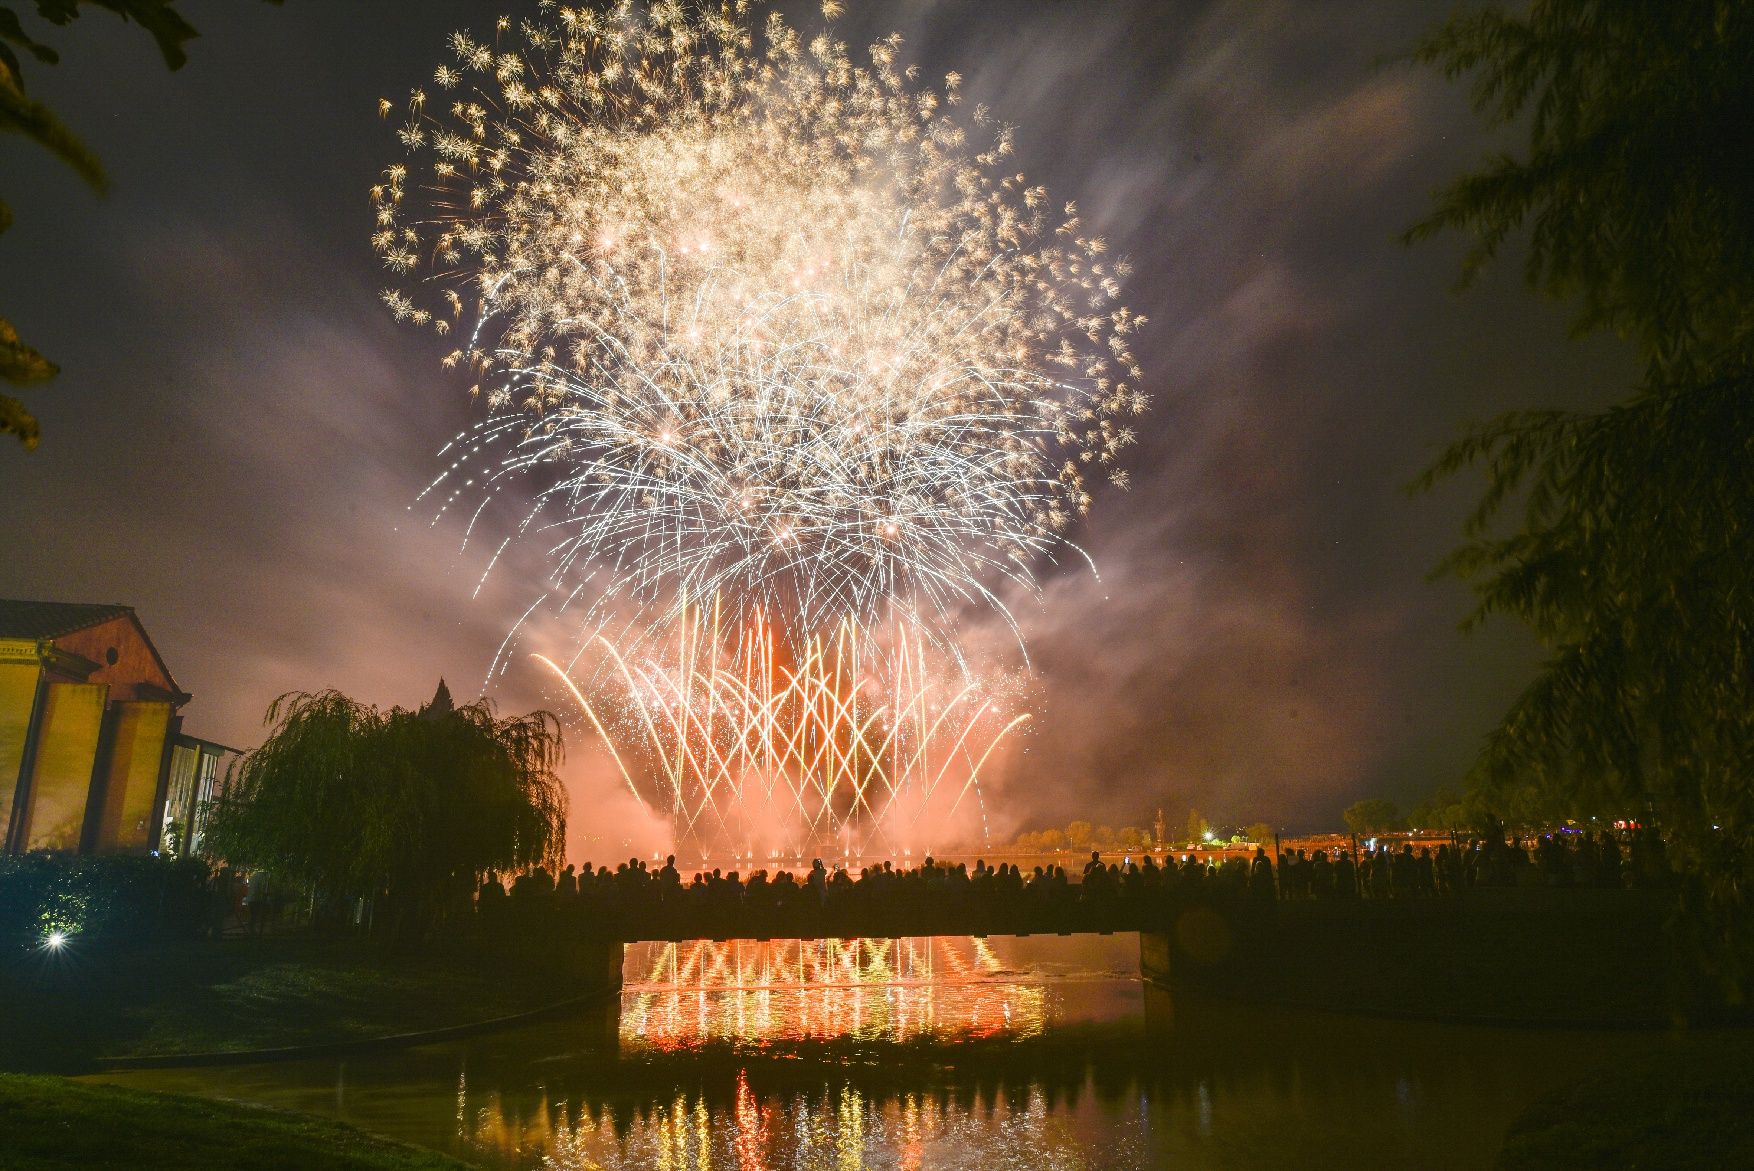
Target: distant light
pixel 55 940
pixel 1207 835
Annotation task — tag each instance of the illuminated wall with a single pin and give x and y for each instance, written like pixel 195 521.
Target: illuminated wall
pixel 130 781
pixel 72 718
pixel 18 693
pixel 88 721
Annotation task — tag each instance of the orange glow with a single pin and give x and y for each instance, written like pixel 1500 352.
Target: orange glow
pixel 852 746
pixel 791 990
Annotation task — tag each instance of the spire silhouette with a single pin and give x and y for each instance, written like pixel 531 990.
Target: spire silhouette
pixel 441 703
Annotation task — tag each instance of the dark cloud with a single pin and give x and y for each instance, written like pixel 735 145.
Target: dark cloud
pixel 240 431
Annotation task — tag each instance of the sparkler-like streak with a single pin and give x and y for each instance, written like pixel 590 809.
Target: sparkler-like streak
pixel 754 321
pixel 851 745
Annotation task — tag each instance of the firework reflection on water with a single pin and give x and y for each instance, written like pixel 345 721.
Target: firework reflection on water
pixel 844 1129
pixel 781 991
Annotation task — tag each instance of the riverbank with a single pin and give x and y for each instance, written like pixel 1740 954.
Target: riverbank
pixel 52 1123
pixel 61 1012
pixel 1189 1082
pixel 1683 1113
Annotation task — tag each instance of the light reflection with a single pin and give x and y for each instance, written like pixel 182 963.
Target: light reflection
pixel 752 1138
pixel 753 995
pixel 1114 1081
pixel 846 1128
pixel 794 990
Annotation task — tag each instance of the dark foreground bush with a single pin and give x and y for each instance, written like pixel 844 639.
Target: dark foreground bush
pixel 120 898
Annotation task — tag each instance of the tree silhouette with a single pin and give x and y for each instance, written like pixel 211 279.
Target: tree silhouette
pixel 1373 815
pixel 1638 179
pixel 413 805
pixel 1622 537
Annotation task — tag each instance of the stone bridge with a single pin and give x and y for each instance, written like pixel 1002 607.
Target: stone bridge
pixel 1552 956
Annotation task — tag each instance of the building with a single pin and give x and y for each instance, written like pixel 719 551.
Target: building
pixel 93 758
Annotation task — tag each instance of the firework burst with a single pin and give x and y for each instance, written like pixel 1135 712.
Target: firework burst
pixel 855 746
pixel 753 321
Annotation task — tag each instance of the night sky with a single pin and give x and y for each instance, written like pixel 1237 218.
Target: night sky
pixel 240 428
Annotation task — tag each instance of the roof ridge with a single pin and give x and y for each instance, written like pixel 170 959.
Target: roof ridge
pixel 29 618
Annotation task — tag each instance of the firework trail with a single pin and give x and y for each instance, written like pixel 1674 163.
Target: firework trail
pixel 851 744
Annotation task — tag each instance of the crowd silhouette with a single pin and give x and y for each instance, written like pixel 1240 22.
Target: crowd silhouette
pixel 633 900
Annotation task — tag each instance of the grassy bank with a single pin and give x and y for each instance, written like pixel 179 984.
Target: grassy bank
pixel 1687 1114
pixel 50 1123
pixel 60 1012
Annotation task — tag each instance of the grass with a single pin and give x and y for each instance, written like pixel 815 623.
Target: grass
pixel 60 1012
pixel 1687 1114
pixel 51 1123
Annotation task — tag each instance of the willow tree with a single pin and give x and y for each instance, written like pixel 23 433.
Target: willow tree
pixel 1624 537
pixel 404 806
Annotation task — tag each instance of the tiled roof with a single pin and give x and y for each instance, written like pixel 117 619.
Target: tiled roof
pixel 20 619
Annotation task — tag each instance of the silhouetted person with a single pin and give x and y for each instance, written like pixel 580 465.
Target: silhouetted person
pixel 1522 870
pixel 1345 877
pixel 1444 870
pixel 1260 876
pixel 1321 876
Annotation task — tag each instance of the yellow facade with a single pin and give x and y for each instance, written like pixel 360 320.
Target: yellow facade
pixel 60 780
pixel 130 782
pixel 89 725
pixel 18 697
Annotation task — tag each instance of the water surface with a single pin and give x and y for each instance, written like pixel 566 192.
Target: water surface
pixel 951 1053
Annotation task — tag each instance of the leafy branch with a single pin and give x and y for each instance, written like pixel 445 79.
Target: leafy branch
pixel 1630 557
pixel 20 364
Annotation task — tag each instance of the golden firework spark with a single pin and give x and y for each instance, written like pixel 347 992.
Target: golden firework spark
pixel 753 320
pixel 854 748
